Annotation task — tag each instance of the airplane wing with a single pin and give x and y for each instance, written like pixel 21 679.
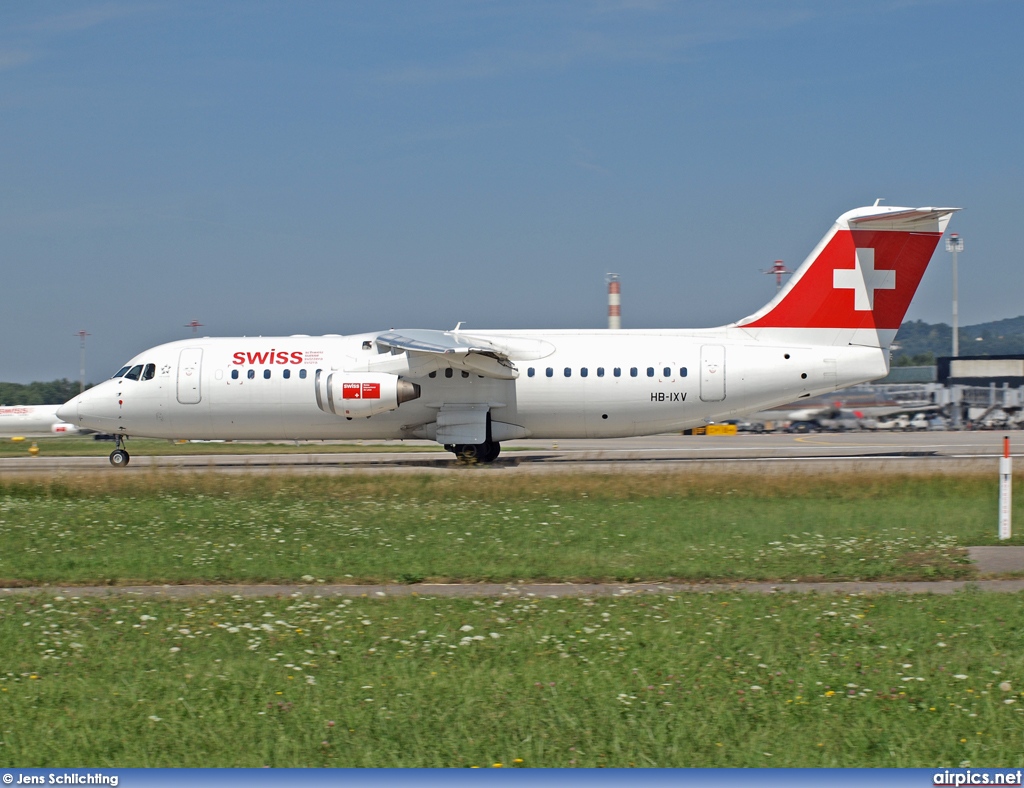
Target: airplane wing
pixel 445 342
pixel 428 350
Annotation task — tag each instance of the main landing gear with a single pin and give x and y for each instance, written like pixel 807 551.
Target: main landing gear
pixel 470 453
pixel 119 457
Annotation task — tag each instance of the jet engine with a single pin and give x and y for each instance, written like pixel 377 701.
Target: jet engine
pixel 362 394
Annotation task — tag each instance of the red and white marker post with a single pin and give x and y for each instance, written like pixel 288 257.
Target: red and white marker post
pixel 1005 487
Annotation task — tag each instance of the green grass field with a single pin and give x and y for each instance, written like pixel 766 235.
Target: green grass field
pixel 627 527
pixel 725 679
pixel 692 680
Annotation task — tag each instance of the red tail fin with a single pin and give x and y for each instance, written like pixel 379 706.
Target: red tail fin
pixel 862 275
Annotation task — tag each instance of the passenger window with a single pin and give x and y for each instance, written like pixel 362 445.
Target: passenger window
pixel 600 372
pixel 234 374
pixel 568 372
pixel 682 372
pixel 134 372
pixel 668 372
pixel 302 374
pixel 251 374
pixel 583 372
pixel 448 372
pixel 617 372
pixel 465 374
pixel 632 372
pixel 266 374
pixel 286 374
pixel 120 372
pixel 149 372
pixel 529 372
pixel 650 372
pixel 432 374
pixel 549 372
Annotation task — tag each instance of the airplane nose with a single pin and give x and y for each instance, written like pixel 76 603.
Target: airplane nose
pixel 69 411
pixel 96 409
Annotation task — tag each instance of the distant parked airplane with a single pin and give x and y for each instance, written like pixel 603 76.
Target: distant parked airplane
pixel 29 421
pixel 829 327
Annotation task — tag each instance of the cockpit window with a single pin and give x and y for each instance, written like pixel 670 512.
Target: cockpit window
pixel 134 372
pixel 120 372
pixel 149 372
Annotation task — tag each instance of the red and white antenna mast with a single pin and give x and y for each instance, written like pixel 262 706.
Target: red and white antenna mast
pixel 779 269
pixel 195 325
pixel 614 302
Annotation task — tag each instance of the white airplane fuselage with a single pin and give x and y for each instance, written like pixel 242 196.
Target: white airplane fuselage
pixel 602 384
pixel 830 327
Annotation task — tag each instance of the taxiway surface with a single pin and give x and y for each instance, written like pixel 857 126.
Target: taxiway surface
pixel 947 452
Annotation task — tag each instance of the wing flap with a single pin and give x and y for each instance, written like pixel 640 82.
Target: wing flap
pixel 430 350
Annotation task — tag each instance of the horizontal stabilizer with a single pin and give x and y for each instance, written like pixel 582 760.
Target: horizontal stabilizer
pixel 906 219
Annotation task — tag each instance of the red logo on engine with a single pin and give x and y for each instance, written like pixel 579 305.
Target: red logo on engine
pixel 360 391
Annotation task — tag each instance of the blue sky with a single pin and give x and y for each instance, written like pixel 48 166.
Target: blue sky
pixel 331 167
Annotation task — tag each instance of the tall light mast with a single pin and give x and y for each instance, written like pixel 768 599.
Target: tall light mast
pixel 955 244
pixel 81 367
pixel 779 269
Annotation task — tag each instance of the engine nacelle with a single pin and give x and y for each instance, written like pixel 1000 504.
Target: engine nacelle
pixel 362 394
pixel 61 428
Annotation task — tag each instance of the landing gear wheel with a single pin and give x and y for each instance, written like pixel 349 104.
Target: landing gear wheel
pixel 488 452
pixel 465 452
pixel 119 458
pixel 471 453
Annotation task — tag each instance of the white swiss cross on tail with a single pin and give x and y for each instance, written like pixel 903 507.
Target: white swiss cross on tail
pixel 863 279
pixel 880 253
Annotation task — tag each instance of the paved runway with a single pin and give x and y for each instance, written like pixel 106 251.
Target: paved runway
pixel 948 452
pixel 536 590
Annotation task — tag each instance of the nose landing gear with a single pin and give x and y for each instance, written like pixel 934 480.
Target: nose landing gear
pixel 119 457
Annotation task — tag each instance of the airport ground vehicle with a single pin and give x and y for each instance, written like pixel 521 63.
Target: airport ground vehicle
pixel 897 423
pixel 746 425
pixel 918 422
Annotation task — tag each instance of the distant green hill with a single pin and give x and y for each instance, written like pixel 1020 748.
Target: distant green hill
pixel 918 342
